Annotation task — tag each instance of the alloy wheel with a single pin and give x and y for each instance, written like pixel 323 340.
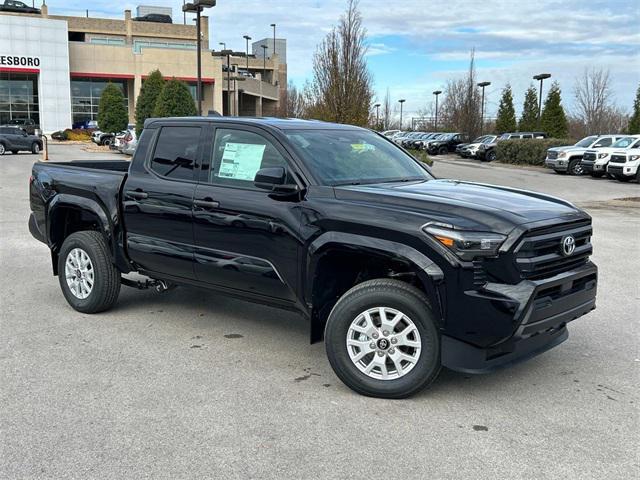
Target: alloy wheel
pixel 383 343
pixel 79 273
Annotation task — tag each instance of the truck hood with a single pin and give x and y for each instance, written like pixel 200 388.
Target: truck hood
pixel 567 148
pixel 465 205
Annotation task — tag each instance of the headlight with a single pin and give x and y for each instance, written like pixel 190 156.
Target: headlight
pixel 562 154
pixel 465 244
pixel 603 155
pixel 633 158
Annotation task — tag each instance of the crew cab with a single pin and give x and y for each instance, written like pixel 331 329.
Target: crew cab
pixel 624 165
pixel 568 159
pixel 400 273
pixel 595 161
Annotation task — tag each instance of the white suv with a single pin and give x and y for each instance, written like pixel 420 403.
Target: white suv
pixel 625 165
pixel 595 161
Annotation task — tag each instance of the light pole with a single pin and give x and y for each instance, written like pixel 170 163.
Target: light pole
pixel 436 93
pixel 224 45
pixel 198 6
pixel 264 62
pixel 377 107
pixel 273 25
pixel 247 38
pixel 541 77
pixel 482 85
pixel 401 101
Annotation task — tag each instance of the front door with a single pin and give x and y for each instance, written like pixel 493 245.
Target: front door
pixel 246 239
pixel 158 200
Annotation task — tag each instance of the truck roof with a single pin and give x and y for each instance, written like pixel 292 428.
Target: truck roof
pixel 279 123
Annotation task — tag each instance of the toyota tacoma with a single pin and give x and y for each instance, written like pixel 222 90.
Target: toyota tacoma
pixel 399 272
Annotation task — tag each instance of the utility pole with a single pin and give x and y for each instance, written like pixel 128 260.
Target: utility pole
pixel 247 38
pixel 377 107
pixel 436 93
pixel 541 77
pixel 401 101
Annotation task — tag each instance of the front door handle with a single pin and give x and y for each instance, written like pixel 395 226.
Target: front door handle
pixel 137 194
pixel 206 203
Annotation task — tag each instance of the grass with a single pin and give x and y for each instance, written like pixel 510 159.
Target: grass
pixel 422 156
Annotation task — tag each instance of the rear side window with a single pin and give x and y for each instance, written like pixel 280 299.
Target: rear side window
pixel 605 142
pixel 176 152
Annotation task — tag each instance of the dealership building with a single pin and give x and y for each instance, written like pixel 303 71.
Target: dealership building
pixel 53 68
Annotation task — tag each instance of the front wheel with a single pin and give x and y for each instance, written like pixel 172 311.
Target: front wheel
pixel 597 174
pixel 2 149
pixel 35 148
pixel 491 156
pixel 623 178
pixel 89 280
pixel 575 167
pixel 382 340
pixel 443 151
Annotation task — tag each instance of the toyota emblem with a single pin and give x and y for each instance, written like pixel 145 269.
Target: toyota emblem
pixel 568 245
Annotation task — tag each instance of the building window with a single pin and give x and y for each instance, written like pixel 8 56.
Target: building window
pixel 19 97
pixel 85 97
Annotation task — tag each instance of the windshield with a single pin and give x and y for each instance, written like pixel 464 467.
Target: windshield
pixel 489 139
pixel 353 157
pixel 586 142
pixel 624 142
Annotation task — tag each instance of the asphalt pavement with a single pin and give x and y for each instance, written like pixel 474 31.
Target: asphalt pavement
pixel 190 384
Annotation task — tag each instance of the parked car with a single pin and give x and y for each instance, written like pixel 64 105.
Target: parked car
pixel 595 161
pixel 460 146
pixel 14 140
pixel 487 151
pixel 155 18
pixel 407 142
pixel 129 142
pixel 18 7
pixel 26 124
pixel 416 142
pixel 568 159
pixel 445 144
pixel 470 150
pixel 390 133
pixel 625 165
pixel 473 277
pixel 85 125
pixel 420 143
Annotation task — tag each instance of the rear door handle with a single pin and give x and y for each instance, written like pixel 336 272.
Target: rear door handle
pixel 206 203
pixel 137 194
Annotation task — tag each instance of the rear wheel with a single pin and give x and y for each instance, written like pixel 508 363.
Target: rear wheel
pixel 491 156
pixel 443 151
pixel 382 341
pixel 106 141
pixel 89 280
pixel 575 168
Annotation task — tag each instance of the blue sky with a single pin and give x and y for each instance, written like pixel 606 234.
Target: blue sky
pixel 415 46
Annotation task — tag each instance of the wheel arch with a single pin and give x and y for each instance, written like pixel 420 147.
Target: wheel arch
pixel 337 261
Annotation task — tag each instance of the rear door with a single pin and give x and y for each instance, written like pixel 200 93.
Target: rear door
pixel 158 198
pixel 246 239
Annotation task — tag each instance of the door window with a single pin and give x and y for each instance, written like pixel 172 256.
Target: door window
pixel 176 152
pixel 605 142
pixel 238 155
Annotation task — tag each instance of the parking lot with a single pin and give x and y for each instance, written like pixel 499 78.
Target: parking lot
pixel 188 383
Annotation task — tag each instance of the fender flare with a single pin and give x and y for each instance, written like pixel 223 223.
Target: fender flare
pixel 427 269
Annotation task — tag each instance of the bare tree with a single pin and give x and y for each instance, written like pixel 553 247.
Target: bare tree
pixel 387 112
pixel 593 96
pixel 461 106
pixel 341 90
pixel 294 102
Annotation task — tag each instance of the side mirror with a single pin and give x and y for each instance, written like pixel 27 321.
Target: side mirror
pixel 273 179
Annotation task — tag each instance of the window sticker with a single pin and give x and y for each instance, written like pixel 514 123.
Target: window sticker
pixel 241 161
pixel 362 147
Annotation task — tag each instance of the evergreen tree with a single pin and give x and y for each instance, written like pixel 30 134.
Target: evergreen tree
pixel 634 121
pixel 175 100
pixel 553 120
pixel 112 112
pixel 529 118
pixel 506 120
pixel 147 98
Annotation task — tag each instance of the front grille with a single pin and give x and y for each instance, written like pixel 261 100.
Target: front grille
pixel 539 254
pixel 615 170
pixel 589 156
pixel 552 155
pixel 619 158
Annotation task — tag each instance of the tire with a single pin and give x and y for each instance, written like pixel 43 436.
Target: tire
pixel 394 296
pixel 575 168
pixel 106 142
pixel 3 150
pixel 106 279
pixel 597 174
pixel 443 151
pixel 35 148
pixel 491 156
pixel 623 178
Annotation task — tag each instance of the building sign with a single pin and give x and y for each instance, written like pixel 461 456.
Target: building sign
pixel 19 61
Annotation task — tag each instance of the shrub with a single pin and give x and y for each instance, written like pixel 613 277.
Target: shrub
pixel 422 156
pixel 175 100
pixel 60 135
pixel 112 112
pixel 527 152
pixel 77 134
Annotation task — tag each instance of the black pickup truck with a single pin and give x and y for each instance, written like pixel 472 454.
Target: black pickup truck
pixel 400 273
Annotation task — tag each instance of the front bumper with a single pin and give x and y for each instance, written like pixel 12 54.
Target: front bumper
pixel 541 310
pixel 556 164
pixel 589 166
